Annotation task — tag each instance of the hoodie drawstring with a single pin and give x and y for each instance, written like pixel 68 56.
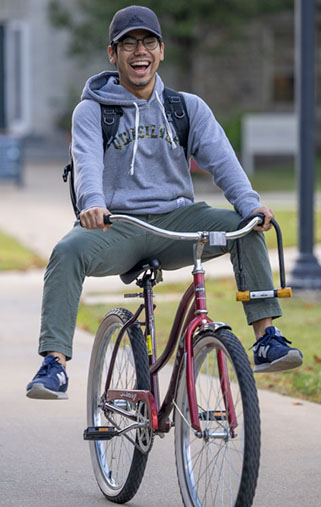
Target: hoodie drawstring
pixel 136 139
pixel 168 127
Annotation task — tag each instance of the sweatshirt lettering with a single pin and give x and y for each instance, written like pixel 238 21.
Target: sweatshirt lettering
pixel 144 132
pixel 125 137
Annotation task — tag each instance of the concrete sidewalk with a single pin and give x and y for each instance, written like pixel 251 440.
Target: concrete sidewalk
pixel 44 460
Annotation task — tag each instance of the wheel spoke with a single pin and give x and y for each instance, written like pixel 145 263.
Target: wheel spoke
pixel 118 464
pixel 211 469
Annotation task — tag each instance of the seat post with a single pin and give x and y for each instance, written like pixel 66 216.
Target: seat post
pixel 147 285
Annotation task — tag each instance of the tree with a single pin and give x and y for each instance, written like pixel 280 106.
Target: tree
pixel 192 26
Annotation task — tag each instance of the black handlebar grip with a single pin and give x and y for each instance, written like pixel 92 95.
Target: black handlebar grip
pixel 107 220
pixel 249 217
pixel 262 216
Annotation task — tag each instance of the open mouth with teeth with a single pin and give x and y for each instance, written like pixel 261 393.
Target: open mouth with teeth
pixel 140 66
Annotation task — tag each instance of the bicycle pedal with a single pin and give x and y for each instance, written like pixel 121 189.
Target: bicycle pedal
pixel 212 415
pixel 100 433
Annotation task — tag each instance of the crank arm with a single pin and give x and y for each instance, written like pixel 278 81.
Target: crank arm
pixel 133 426
pixel 120 411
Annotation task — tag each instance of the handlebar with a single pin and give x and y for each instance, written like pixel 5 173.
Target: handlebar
pixel 214 238
pixel 219 238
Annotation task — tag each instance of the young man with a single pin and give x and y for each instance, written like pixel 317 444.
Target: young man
pixel 145 172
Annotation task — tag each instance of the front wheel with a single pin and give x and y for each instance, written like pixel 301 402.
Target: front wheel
pixel 221 467
pixel 118 463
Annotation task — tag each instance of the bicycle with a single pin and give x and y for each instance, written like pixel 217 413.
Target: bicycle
pixel 211 392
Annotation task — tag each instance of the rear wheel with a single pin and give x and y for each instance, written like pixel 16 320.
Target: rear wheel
pixel 118 463
pixel 221 467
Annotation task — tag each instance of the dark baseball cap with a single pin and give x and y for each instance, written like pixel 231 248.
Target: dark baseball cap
pixel 134 17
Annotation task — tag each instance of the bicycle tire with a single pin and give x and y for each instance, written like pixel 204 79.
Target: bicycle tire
pixel 118 465
pixel 218 471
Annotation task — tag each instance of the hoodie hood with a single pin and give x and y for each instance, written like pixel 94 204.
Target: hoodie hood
pixel 105 89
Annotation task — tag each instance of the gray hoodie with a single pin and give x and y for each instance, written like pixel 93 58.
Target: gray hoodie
pixel 145 169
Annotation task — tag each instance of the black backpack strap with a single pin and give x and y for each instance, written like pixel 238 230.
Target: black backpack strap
pixel 69 173
pixel 110 116
pixel 175 108
pixel 176 112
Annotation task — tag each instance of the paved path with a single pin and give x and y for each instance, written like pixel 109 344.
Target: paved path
pixel 44 461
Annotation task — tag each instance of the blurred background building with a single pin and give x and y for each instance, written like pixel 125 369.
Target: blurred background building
pixel 40 82
pixel 36 78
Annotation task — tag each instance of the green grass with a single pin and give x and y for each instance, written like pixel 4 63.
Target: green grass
pixel 281 178
pixel 14 256
pixel 272 176
pixel 288 221
pixel 301 324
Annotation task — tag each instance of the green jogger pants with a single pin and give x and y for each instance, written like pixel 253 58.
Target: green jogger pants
pixel 84 252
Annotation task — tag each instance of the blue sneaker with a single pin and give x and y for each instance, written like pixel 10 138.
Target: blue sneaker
pixel 272 352
pixel 50 382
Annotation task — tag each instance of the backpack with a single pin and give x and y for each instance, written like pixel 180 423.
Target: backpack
pixel 175 109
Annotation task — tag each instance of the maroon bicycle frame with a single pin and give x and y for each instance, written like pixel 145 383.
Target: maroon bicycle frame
pixel 191 316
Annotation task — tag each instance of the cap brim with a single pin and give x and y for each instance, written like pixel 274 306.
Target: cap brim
pixel 120 35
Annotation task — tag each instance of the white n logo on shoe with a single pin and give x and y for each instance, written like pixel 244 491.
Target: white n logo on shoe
pixel 262 352
pixel 62 378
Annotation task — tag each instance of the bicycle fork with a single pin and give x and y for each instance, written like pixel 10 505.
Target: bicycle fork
pixel 201 319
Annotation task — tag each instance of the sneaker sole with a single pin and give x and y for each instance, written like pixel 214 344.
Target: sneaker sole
pixel 40 392
pixel 292 360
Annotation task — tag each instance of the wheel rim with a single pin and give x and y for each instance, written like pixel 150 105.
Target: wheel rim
pixel 114 456
pixel 212 467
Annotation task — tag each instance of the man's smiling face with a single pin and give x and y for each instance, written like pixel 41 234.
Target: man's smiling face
pixel 137 68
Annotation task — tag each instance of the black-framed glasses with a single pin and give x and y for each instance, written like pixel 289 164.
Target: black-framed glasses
pixel 130 44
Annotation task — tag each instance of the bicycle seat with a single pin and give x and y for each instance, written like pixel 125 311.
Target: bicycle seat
pixel 139 268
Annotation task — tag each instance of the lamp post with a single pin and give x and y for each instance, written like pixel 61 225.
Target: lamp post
pixel 306 273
